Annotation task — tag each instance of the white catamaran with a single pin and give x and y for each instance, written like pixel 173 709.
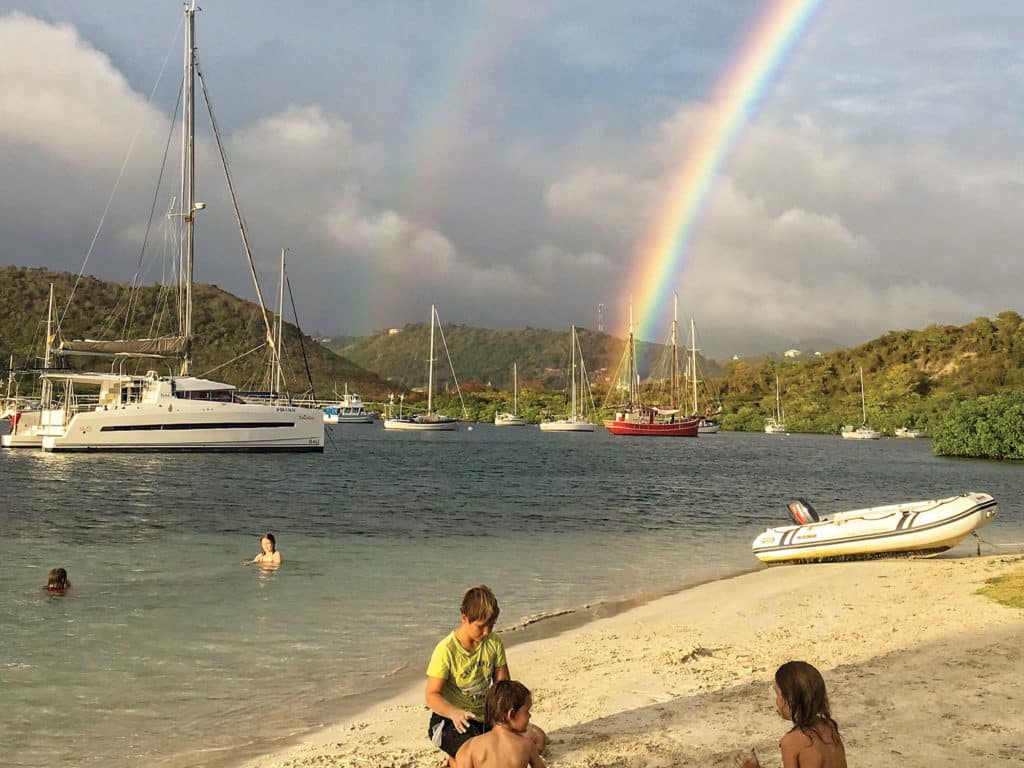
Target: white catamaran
pixel 152 412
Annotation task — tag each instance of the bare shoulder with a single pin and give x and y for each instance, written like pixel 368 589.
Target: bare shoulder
pixel 795 740
pixel 467 756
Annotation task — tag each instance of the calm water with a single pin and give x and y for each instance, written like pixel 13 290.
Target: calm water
pixel 168 651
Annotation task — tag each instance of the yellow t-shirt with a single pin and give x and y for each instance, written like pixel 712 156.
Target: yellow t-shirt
pixel 467 676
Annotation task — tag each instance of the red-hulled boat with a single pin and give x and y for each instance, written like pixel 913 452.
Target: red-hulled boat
pixel 649 421
pixel 638 419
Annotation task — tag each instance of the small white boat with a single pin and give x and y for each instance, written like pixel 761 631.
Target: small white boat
pixel 911 432
pixel 775 424
pixel 850 432
pixel 918 527
pixel 424 422
pixel 350 410
pixel 707 426
pixel 863 432
pixel 512 419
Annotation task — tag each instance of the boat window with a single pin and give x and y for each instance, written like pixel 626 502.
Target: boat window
pixel 215 395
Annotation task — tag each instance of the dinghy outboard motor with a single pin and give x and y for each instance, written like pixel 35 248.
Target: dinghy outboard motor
pixel 803 512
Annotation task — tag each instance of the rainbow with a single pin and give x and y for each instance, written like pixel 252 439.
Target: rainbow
pixel 735 98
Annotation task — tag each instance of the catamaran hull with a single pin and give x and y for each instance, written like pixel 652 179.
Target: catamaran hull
pixel 912 527
pixel 26 430
pixel 685 428
pixel 191 426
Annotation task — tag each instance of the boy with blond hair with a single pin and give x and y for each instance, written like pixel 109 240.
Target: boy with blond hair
pixel 462 669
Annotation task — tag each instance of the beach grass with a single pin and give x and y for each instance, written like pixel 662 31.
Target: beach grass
pixel 1007 589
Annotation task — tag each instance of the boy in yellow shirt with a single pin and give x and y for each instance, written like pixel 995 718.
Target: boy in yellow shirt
pixel 462 668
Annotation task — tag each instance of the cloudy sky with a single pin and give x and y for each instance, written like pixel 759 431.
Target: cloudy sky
pixel 507 160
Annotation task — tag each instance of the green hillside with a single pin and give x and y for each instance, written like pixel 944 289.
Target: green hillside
pixel 910 378
pixel 226 327
pixel 485 356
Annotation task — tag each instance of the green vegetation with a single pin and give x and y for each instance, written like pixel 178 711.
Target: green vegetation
pixel 965 385
pixel 989 427
pixel 485 356
pixel 1007 589
pixel 226 327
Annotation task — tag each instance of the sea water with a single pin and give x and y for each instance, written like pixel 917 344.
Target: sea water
pixel 169 651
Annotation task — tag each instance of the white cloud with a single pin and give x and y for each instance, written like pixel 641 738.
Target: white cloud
pixel 65 99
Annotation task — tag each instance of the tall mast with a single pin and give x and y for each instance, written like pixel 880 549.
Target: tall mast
pixel 778 399
pixel 693 362
pixel 47 350
pixel 674 386
pixel 280 330
pixel 863 404
pixel 430 375
pixel 634 383
pixel 572 374
pixel 189 206
pixel 515 390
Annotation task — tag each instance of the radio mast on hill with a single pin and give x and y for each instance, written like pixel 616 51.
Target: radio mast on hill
pixel 600 318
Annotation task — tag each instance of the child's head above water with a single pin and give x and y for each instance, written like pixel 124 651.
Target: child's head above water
pixel 800 694
pixel 480 604
pixel 57 580
pixel 508 703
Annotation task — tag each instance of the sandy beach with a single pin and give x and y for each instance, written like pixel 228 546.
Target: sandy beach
pixel 921 670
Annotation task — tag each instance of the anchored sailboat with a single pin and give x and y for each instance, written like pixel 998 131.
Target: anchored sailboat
pixel 575 421
pixel 512 419
pixel 863 432
pixel 775 425
pixel 429 421
pixel 638 419
pixel 151 412
pixel 707 425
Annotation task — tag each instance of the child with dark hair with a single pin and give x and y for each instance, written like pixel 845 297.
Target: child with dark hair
pixel 462 669
pixel 814 739
pixel 269 554
pixel 57 580
pixel 506 745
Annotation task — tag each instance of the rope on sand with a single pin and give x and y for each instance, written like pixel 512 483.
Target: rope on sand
pixel 995 545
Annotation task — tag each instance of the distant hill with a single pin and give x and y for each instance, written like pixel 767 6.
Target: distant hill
pixel 486 356
pixel 226 327
pixel 910 378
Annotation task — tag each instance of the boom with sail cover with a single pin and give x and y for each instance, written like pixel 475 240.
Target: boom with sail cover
pixel 163 346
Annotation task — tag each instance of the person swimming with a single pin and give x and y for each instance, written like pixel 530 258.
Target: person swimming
pixel 57 581
pixel 270 555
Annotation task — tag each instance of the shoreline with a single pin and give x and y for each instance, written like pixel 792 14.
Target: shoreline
pixel 408 676
pixel 682 679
